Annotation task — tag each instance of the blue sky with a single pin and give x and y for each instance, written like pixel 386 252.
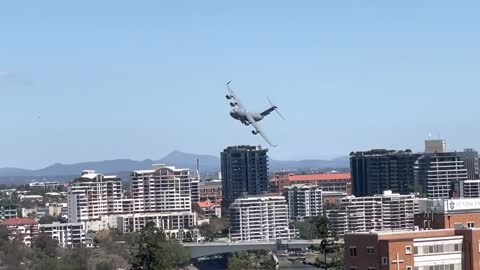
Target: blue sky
pixel 97 80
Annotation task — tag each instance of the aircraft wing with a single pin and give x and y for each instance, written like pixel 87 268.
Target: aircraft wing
pixel 259 130
pixel 235 97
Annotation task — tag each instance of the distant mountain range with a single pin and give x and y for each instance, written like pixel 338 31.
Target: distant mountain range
pixel 179 159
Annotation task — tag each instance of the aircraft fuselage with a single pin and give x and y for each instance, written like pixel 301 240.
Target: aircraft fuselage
pixel 241 115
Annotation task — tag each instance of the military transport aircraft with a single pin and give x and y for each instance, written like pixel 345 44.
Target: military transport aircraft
pixel 239 112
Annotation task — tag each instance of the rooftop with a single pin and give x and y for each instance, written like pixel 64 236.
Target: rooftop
pixel 208 204
pixel 20 221
pixel 318 177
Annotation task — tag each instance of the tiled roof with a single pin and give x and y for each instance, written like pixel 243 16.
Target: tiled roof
pixel 207 204
pixel 20 221
pixel 318 177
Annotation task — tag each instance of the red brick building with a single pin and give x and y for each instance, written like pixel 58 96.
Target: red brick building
pixel 420 250
pixel 448 214
pixel 338 182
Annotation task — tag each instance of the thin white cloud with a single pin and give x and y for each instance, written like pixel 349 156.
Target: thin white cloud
pixel 9 78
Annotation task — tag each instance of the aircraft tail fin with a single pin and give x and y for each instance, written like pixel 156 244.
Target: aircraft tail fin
pixel 271 109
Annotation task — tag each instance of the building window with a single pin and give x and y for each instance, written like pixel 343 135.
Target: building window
pixel 371 268
pixel 471 225
pixel 384 260
pixel 353 268
pixel 370 251
pixel 353 251
pixel 409 268
pixel 408 250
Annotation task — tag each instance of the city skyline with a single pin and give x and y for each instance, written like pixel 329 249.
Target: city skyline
pixel 102 81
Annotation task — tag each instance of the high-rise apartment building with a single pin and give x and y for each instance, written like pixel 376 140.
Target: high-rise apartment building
pixel 258 218
pixel 386 212
pixel 440 174
pixel 470 161
pixel 244 171
pixel 164 189
pixel 303 201
pixel 93 195
pixel 377 170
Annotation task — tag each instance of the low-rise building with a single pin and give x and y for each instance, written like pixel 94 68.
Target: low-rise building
pixel 420 250
pixel 210 209
pixel 175 224
pixel 67 234
pixel 21 229
pixel 211 190
pixel 339 182
pixel 258 218
pixel 47 185
pixel 303 201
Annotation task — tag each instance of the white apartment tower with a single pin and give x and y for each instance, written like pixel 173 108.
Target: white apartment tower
pixel 303 201
pixel 163 189
pixel 93 195
pixel 258 218
pixel 386 212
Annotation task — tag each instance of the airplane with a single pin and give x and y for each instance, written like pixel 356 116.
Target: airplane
pixel 239 112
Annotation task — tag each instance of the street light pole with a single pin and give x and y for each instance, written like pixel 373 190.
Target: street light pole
pixel 229 236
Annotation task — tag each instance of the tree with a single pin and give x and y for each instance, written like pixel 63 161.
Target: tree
pixel 217 227
pixel 51 219
pixel 314 228
pixel 46 244
pixel 155 252
pixel 239 261
pixel 104 266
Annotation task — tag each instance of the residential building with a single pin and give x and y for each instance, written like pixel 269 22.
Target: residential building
pixel 377 170
pixel 278 182
pixel 211 190
pixel 420 250
pixel 8 211
pixel 58 209
pixel 303 201
pixel 440 174
pixel 332 197
pixel 21 229
pixel 164 189
pixel 259 218
pixel 175 225
pixel 470 161
pixel 210 208
pixel 470 188
pixel 195 187
pixel 244 171
pixel 67 234
pixel 386 212
pixel 435 146
pixel 93 195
